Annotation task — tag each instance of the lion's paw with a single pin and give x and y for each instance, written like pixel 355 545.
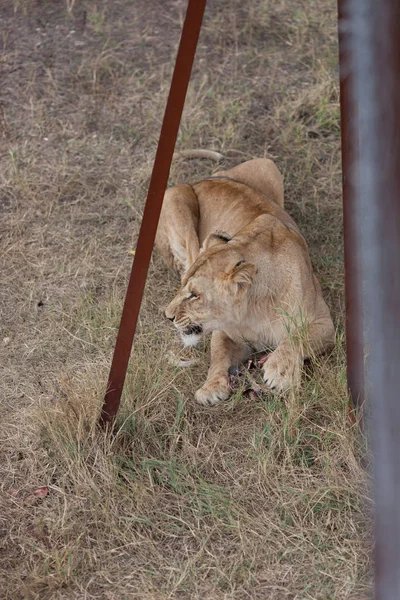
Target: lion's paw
pixel 282 372
pixel 213 391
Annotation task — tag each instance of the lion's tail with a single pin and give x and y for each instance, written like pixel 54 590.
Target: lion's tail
pixel 198 153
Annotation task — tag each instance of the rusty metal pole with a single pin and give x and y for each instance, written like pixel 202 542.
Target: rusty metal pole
pixel 373 35
pixel 158 184
pixel 351 211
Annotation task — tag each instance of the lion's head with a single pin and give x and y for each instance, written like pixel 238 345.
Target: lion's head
pixel 214 291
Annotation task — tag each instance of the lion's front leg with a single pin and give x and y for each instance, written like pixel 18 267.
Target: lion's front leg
pixel 282 369
pixel 224 354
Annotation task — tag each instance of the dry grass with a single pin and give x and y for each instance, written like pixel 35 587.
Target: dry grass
pixel 252 499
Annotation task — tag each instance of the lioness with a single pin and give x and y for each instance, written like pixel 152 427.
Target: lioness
pixel 245 275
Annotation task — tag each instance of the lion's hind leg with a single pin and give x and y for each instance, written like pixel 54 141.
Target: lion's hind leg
pixel 177 239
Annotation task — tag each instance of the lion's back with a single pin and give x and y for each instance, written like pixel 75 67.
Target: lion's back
pixel 226 205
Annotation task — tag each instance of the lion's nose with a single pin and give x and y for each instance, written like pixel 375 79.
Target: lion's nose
pixel 169 314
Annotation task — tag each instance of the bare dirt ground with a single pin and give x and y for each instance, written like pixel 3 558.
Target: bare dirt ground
pixel 252 499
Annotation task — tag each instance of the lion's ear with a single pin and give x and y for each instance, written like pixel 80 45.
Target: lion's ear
pixel 242 275
pixel 219 237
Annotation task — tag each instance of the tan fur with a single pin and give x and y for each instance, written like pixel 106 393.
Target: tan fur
pixel 246 276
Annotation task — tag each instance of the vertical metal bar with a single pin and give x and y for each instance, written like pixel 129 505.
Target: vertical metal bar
pixel 354 311
pixel 158 183
pixel 373 32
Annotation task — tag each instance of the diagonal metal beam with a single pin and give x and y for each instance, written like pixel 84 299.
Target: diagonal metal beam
pixel 158 184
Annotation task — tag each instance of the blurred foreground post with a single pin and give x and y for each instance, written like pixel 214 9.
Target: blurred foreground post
pixel 152 209
pixel 372 32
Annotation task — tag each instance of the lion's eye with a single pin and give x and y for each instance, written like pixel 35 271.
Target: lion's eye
pixel 193 296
